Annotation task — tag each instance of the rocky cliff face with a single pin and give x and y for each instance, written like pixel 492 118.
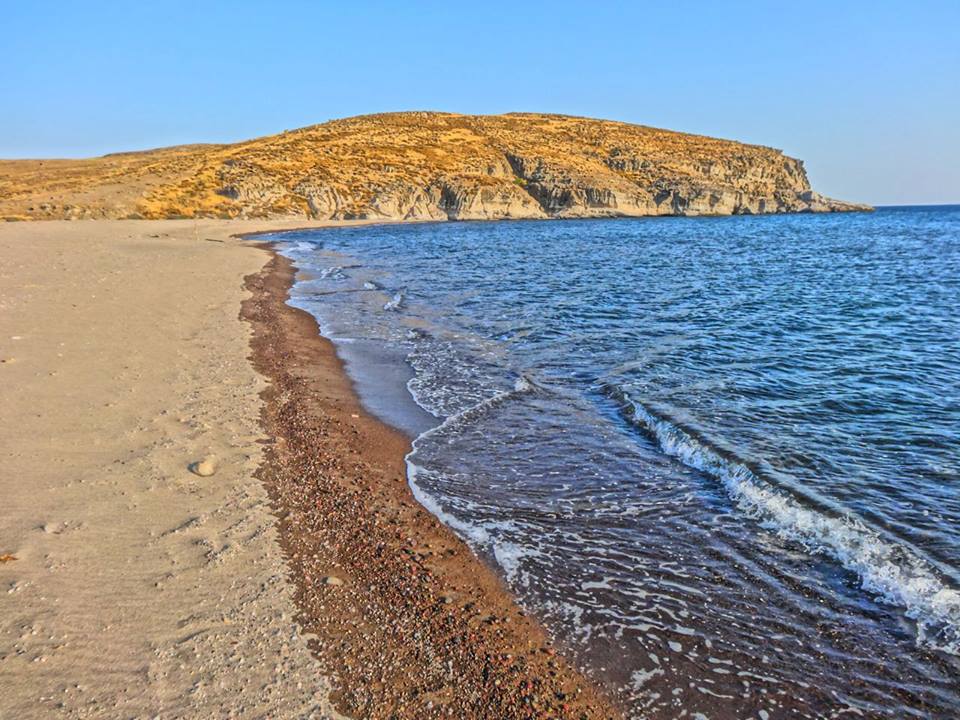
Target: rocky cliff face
pixel 426 166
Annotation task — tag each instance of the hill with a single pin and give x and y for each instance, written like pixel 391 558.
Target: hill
pixel 424 165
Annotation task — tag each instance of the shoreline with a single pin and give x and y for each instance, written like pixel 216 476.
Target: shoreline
pixel 808 678
pixel 416 624
pixel 136 587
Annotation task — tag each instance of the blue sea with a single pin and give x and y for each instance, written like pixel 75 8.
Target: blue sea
pixel 719 458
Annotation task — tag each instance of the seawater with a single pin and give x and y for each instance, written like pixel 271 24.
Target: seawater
pixel 718 457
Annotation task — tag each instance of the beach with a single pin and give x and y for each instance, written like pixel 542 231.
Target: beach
pixel 621 381
pixel 300 579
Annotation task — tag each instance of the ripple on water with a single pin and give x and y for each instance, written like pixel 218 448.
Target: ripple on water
pixel 718 457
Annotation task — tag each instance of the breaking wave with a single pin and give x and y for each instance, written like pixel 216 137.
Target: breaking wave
pixel 887 569
pixel 473 532
pixel 332 273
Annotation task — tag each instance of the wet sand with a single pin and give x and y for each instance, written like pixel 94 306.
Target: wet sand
pixel 300 580
pixel 411 622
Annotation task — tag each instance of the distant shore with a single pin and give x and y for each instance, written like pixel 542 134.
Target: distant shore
pixel 425 166
pixel 138 587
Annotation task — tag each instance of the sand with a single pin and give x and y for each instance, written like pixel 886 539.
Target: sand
pixel 415 625
pixel 139 357
pixel 139 589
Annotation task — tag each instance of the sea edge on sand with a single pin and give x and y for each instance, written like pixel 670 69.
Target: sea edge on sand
pixel 455 605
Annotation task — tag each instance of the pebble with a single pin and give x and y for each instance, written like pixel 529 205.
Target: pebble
pixel 205 467
pixel 332 580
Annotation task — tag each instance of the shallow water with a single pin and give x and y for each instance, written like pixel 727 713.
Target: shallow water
pixel 719 457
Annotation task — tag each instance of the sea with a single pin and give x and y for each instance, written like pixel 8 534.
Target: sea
pixel 718 457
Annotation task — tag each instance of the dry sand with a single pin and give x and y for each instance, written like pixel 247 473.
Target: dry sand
pixel 139 589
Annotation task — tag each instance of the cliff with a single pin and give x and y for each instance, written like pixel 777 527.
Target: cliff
pixel 419 165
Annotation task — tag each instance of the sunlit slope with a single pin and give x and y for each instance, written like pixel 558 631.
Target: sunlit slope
pixel 419 165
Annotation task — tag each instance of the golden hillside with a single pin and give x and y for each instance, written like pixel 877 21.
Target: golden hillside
pixel 419 165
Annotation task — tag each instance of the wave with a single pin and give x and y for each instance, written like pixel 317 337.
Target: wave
pixel 890 571
pixel 521 386
pixel 337 272
pixel 290 248
pixel 473 532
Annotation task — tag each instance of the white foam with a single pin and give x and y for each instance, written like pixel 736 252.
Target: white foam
pixel 521 386
pixel 597 585
pixel 510 556
pixel 396 302
pixel 335 272
pixel 474 533
pixel 892 572
pixel 507 555
pixel 301 246
pixel 639 678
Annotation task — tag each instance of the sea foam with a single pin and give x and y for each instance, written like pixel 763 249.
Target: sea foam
pixel 474 533
pixel 396 302
pixel 890 571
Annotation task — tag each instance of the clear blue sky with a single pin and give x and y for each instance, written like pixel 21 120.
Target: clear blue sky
pixel 867 93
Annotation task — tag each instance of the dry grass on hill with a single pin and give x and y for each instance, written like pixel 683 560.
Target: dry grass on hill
pixel 419 165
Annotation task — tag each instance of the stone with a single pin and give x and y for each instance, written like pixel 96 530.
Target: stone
pixel 205 467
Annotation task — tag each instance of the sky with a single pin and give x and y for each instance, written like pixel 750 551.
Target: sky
pixel 866 93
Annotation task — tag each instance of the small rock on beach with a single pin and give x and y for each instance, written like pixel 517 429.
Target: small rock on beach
pixel 205 467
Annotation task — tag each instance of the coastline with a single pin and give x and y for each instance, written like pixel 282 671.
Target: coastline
pixel 303 579
pixel 135 587
pixel 414 623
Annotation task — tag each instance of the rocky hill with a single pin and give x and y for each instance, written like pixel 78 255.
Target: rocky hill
pixel 419 165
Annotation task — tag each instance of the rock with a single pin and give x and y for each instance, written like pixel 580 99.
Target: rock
pixel 205 467
pixel 332 580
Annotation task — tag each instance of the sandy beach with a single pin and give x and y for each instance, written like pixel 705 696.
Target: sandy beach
pixel 299 577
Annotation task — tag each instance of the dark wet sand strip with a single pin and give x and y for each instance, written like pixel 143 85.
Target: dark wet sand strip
pixel 408 622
